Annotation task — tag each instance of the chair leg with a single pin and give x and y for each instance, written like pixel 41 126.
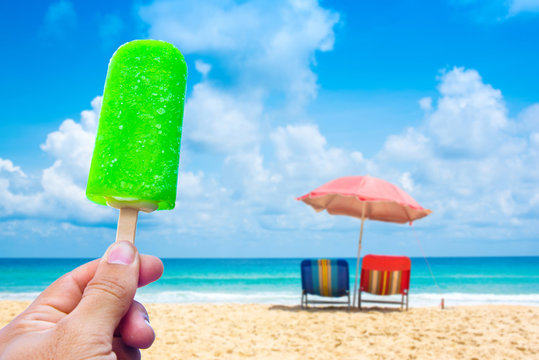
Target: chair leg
pixel 407 296
pixel 304 301
pixel 359 299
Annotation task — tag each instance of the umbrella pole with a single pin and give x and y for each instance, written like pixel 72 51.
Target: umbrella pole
pixel 359 252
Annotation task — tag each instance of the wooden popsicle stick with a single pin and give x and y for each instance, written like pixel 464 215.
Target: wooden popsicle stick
pixel 127 225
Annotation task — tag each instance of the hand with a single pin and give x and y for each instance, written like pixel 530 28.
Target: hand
pixel 89 313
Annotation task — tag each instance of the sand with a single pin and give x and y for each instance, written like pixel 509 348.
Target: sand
pixel 202 331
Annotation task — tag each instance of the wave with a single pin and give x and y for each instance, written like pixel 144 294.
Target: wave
pixel 459 299
pixel 478 276
pixel 232 277
pixel 293 298
pixel 197 297
pixel 19 296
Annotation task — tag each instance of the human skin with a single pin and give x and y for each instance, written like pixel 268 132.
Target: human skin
pixel 89 313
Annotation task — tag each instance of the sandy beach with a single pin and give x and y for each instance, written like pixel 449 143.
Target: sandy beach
pixel 287 332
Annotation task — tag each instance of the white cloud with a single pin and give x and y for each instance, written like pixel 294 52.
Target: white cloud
pixel 534 141
pixel 470 162
pixel 529 118
pixel 265 45
pixel 302 152
pixel 202 67
pixel 13 187
pixel 497 10
pixel 8 166
pixel 425 103
pixel 268 50
pixel 220 120
pixel 18 203
pixel 190 184
pixel 60 19
pixel 407 182
pixel 256 184
pixel 470 115
pixel 519 6
pixel 60 193
pixel 110 29
pixel 72 146
pixel 412 146
pixel 507 203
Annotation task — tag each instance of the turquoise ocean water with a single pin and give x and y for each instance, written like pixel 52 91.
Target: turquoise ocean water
pixel 462 281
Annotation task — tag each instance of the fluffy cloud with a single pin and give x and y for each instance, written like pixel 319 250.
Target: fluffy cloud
pixel 266 45
pixel 221 121
pixel 518 6
pixel 202 67
pixel 470 117
pixel 268 50
pixel 247 154
pixel 60 193
pixel 258 174
pixel 303 152
pixel 469 160
pixel 59 20
pixel 7 165
pixel 529 119
pixel 498 10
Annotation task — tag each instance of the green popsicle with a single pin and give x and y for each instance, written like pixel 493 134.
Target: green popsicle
pixel 136 156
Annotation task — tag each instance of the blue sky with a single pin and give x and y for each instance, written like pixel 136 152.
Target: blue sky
pixel 439 97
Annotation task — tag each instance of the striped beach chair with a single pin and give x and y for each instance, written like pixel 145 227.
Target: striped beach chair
pixel 385 275
pixel 324 277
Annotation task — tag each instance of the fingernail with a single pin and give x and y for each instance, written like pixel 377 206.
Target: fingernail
pixel 122 253
pixel 147 320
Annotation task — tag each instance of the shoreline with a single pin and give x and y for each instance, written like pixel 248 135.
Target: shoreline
pixel 417 300
pixel 259 331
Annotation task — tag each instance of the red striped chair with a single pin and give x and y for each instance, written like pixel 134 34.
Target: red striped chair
pixel 385 275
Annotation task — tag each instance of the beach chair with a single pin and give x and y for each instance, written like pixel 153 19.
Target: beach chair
pixel 327 278
pixel 385 275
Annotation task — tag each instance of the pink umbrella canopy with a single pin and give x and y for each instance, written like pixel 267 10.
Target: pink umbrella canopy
pixel 379 199
pixel 365 197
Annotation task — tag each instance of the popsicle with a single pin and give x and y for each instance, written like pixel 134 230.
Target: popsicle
pixel 137 149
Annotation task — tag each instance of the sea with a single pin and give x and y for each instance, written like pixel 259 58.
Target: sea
pixel 458 280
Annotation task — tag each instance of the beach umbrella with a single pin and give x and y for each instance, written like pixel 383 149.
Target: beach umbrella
pixel 365 197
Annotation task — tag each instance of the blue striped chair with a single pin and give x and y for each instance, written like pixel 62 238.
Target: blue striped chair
pixel 323 277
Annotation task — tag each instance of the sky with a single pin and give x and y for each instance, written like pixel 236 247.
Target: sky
pixel 438 97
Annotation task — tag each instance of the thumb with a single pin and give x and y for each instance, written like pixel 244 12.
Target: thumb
pixel 109 294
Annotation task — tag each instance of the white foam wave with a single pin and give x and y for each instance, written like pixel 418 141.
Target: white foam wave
pixel 458 299
pixel 191 297
pixel 234 277
pixel 292 298
pixel 18 296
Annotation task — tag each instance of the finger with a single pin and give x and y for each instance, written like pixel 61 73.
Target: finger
pixel 123 351
pixel 135 328
pixel 63 295
pixel 109 294
pixel 151 269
